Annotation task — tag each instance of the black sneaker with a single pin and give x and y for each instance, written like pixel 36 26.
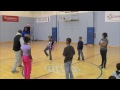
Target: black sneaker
pixel 83 59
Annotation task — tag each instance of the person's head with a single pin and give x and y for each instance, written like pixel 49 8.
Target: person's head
pixel 80 38
pixel 26 40
pixel 112 77
pixel 27 35
pixel 20 31
pixel 49 37
pixel 118 69
pixel 118 66
pixel 68 41
pixel 25 29
pixel 104 35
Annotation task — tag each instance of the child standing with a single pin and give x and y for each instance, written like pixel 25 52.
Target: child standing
pixel 68 53
pixel 80 48
pixel 26 57
pixel 117 72
pixel 49 47
pixel 103 50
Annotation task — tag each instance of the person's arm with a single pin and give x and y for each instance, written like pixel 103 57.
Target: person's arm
pixel 100 43
pixel 30 55
pixel 21 53
pixel 53 46
pixel 22 34
pixel 73 51
pixel 78 46
pixel 29 32
pixel 82 46
pixel 21 41
pixel 103 44
pixel 64 52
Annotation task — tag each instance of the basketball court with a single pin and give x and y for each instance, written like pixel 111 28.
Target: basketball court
pixel 61 25
pixel 42 68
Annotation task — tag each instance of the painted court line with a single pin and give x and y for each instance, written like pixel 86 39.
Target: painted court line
pixel 79 62
pixel 62 68
pixel 43 75
pixel 57 69
pixel 46 60
pixel 93 64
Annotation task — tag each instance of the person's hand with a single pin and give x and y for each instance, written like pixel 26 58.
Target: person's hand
pixel 103 43
pixel 31 59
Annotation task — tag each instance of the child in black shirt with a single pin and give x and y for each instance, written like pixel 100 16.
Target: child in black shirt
pixel 49 47
pixel 80 48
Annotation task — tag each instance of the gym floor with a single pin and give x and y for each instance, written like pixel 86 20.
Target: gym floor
pixel 42 68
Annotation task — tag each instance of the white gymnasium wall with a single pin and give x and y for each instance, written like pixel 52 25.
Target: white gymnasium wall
pixel 43 13
pixel 42 30
pixel 51 13
pixel 17 13
pixel 34 13
pixel 9 29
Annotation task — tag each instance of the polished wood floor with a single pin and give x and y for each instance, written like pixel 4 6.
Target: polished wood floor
pixel 42 68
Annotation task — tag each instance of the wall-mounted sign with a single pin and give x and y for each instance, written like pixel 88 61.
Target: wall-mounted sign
pixel 43 19
pixel 112 16
pixel 6 18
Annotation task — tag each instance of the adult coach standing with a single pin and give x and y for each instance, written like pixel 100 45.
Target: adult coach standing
pixel 103 49
pixel 18 41
pixel 25 31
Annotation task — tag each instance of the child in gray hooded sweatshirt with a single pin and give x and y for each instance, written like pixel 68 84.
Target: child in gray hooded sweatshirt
pixel 117 72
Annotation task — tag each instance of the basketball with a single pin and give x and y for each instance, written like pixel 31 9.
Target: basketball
pixel 27 35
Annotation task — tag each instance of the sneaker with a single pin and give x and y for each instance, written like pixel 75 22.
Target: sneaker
pixel 101 67
pixel 50 61
pixel 104 67
pixel 83 59
pixel 15 71
pixel 78 59
pixel 20 66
